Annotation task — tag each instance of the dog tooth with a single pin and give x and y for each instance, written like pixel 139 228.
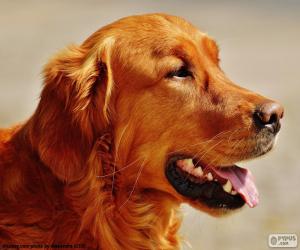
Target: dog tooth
pixel 209 176
pixel 233 192
pixel 227 186
pixel 198 171
pixel 188 162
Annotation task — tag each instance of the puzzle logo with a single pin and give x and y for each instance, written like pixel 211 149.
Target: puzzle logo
pixel 283 240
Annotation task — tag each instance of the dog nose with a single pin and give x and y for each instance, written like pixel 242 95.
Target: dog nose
pixel 268 115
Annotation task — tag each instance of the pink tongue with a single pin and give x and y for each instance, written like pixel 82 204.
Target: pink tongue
pixel 243 182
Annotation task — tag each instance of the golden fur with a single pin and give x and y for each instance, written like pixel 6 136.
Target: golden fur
pixel 88 166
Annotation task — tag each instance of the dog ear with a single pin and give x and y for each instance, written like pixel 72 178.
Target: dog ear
pixel 74 108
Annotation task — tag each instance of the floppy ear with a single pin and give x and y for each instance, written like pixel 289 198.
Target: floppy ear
pixel 74 108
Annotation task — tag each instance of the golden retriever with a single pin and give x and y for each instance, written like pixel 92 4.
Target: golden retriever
pixel 135 121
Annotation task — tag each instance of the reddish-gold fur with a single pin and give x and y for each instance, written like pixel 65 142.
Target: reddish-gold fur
pixel 114 84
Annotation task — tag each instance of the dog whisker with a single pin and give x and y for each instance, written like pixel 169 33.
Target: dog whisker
pixel 224 156
pixel 116 157
pixel 224 132
pixel 121 169
pixel 135 183
pixel 212 147
pixel 206 141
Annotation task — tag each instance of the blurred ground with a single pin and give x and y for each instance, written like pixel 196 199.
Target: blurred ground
pixel 259 43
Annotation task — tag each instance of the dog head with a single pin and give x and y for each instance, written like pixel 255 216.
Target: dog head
pixel 179 124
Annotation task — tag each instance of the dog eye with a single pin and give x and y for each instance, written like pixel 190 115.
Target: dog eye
pixel 183 72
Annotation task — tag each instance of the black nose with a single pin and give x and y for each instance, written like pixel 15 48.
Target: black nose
pixel 268 115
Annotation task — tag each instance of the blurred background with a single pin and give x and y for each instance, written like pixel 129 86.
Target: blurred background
pixel 260 50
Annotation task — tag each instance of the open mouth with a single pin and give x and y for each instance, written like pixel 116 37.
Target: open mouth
pixel 217 187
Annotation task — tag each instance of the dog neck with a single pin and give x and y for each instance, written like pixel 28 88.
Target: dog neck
pixel 148 220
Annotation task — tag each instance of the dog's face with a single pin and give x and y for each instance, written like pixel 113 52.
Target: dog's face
pixel 182 119
pixel 179 123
